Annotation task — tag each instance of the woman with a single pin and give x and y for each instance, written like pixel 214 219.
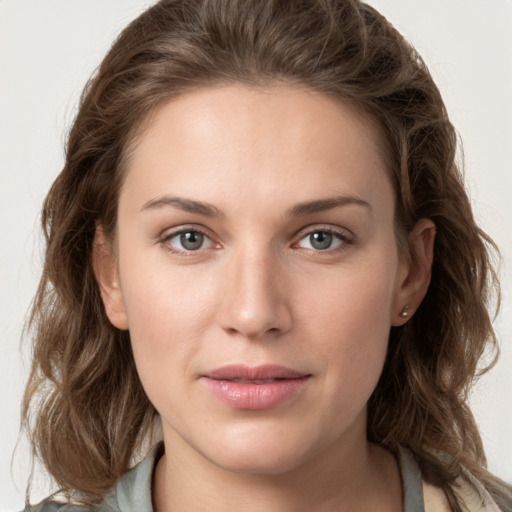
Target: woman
pixel 254 253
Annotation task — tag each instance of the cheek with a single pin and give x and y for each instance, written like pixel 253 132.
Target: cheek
pixel 168 311
pixel 353 301
pixel 348 317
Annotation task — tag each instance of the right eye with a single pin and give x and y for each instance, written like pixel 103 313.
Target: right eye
pixel 186 241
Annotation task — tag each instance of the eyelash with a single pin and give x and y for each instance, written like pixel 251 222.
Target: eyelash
pixel 165 241
pixel 345 239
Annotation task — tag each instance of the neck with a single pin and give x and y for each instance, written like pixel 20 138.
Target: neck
pixel 362 476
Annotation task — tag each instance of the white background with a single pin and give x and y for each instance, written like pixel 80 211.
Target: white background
pixel 49 48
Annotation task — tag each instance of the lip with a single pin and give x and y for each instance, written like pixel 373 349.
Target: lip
pixel 255 388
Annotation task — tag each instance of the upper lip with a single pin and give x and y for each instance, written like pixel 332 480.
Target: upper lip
pixel 263 372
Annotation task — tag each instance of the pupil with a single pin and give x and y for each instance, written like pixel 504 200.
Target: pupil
pixel 191 240
pixel 320 240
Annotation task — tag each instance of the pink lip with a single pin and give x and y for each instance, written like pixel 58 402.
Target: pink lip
pixel 255 388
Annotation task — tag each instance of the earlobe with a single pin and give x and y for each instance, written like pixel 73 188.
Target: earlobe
pixel 415 278
pixel 105 271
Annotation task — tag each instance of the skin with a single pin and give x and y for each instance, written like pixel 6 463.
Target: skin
pixel 258 291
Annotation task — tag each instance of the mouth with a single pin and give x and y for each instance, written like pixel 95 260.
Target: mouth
pixel 255 388
pixel 255 381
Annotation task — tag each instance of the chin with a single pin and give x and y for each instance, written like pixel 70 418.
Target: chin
pixel 264 453
pixel 264 463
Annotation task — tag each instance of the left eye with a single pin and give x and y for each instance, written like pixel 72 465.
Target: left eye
pixel 321 240
pixel 189 240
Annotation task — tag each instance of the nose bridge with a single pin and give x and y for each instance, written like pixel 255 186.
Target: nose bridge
pixel 255 300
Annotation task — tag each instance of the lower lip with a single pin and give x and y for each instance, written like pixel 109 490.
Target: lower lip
pixel 253 396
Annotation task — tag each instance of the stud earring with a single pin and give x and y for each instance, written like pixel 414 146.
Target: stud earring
pixel 405 311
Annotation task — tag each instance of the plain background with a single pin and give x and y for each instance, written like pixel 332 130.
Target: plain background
pixel 49 48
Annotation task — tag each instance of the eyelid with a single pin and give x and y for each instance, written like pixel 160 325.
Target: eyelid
pixel 169 234
pixel 345 235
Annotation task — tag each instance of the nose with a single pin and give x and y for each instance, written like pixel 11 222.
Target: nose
pixel 255 303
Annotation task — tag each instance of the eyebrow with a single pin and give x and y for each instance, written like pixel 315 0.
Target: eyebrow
pixel 327 204
pixel 208 210
pixel 187 205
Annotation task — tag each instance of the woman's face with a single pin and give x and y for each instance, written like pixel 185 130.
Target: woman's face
pixel 258 274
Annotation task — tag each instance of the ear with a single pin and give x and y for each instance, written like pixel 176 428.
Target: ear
pixel 415 272
pixel 105 271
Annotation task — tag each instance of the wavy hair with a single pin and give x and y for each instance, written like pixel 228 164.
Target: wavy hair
pixel 84 400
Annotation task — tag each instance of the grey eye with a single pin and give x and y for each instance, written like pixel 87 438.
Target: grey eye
pixel 321 240
pixel 187 241
pixel 191 240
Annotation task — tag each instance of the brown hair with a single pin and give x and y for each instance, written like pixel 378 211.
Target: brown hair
pixel 87 401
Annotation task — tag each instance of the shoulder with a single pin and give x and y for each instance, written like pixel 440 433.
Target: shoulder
pixel 50 505
pixel 471 494
pixel 132 493
pixel 420 496
pixel 55 506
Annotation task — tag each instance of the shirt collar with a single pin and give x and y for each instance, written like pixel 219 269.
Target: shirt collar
pixel 133 492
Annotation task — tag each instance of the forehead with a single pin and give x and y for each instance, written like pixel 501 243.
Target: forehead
pixel 238 142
